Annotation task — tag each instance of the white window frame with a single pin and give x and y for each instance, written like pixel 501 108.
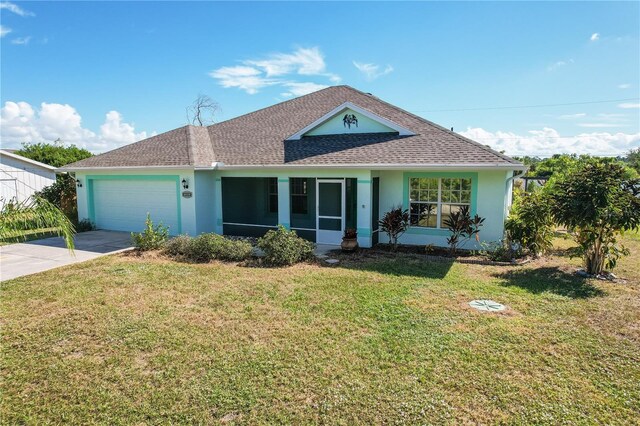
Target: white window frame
pixel 438 203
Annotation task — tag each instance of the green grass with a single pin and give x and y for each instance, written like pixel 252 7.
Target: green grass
pixel 144 340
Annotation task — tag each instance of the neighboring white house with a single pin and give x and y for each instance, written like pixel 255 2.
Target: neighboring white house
pixel 20 177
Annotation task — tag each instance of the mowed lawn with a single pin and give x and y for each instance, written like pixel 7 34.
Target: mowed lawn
pixel 145 340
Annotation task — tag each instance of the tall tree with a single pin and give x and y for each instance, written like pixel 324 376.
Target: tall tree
pixel 55 154
pixel 202 111
pixel 597 201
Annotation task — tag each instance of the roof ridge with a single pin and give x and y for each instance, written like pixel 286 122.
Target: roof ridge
pixel 279 103
pixel 190 139
pixel 431 123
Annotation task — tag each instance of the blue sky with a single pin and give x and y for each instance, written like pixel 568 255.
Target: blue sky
pixel 104 74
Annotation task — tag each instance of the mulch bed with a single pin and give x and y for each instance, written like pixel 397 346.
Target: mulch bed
pixel 435 254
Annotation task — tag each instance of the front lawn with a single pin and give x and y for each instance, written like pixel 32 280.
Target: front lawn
pixel 145 340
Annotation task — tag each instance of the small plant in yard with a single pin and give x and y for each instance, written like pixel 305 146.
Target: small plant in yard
pixel 207 247
pixel 350 234
pixel 598 201
pixel 501 250
pixel 283 247
pixel 463 227
pixel 152 238
pixel 178 246
pixel 85 225
pixel 394 223
pixel 531 223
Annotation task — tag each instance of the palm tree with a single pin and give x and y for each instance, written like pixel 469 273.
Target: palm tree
pixel 34 216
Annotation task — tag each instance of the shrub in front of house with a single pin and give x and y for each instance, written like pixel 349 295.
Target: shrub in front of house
pixel 463 228
pixel 152 238
pixel 178 246
pixel 530 223
pixel 207 247
pixel 85 225
pixel 283 247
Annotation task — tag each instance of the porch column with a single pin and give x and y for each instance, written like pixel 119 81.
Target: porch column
pixel 217 205
pixel 364 212
pixel 284 210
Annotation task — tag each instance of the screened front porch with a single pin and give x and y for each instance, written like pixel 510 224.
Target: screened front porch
pixel 318 209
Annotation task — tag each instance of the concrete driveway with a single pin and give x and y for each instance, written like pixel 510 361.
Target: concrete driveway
pixel 17 260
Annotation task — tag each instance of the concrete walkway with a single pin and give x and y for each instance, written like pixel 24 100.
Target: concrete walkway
pixel 17 260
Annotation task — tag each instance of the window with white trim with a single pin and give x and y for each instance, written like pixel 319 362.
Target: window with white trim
pixel 432 200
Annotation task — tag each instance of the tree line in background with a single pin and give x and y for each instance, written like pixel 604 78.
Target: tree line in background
pixel 546 167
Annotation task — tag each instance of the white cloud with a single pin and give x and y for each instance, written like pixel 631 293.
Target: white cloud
pixel 595 37
pixel 277 69
pixel 300 89
pixel 21 40
pixel 4 30
pixel 601 125
pixel 628 105
pixel 548 141
pixel 559 64
pixel 372 71
pixel 5 5
pixel 624 86
pixel 246 78
pixel 302 61
pixel 572 116
pixel 20 122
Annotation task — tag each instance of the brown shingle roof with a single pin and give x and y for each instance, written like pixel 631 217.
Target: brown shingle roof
pixel 259 138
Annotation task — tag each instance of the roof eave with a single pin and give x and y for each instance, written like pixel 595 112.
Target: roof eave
pixel 428 167
pixel 116 168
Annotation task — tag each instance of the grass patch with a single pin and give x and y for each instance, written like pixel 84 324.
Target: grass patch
pixel 141 339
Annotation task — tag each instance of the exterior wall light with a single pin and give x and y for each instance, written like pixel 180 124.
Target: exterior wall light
pixel 185 184
pixel 78 183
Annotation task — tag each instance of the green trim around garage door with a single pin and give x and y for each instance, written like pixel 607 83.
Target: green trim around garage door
pixel 90 178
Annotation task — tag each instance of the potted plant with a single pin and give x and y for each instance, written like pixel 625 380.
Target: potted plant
pixel 349 240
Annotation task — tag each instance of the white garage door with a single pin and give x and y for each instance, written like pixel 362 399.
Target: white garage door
pixel 122 205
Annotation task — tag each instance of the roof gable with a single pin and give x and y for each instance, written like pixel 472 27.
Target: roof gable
pixel 349 118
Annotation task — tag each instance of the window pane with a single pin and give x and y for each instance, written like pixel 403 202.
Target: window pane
pixel 423 215
pixel 330 224
pixel 414 183
pixel 424 195
pixel 447 209
pixel 455 197
pixel 299 204
pixel 466 184
pixel 414 195
pixel 465 196
pixel 428 215
pixel 424 183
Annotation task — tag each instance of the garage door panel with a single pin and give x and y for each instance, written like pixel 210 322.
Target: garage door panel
pixel 122 205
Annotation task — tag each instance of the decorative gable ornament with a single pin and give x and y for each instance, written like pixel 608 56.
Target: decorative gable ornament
pixel 350 119
pixel 351 122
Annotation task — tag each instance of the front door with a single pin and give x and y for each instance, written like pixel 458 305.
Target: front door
pixel 330 211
